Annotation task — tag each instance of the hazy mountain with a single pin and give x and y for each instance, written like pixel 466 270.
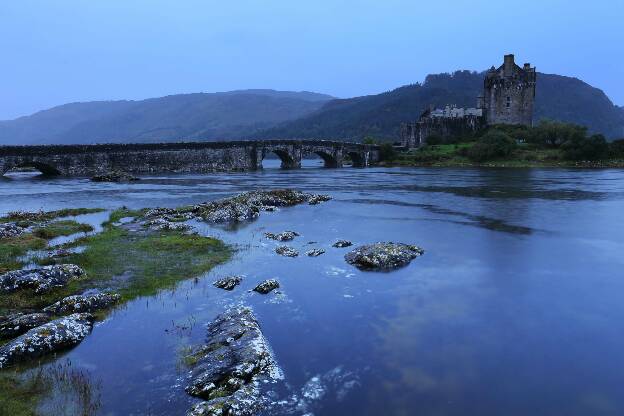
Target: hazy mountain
pixel 216 116
pixel 557 97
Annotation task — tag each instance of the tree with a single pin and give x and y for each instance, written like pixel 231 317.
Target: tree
pixel 493 145
pixel 434 139
pixel 616 148
pixel 592 148
pixel 387 152
pixel 555 133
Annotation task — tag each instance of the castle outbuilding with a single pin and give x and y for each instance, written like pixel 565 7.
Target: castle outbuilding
pixel 508 98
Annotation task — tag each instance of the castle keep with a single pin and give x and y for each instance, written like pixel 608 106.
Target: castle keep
pixel 508 98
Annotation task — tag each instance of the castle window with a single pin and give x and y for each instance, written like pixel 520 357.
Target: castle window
pixel 508 102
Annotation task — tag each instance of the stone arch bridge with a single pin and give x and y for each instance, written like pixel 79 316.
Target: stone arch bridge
pixel 183 157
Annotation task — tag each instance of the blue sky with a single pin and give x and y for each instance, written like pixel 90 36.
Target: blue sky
pixel 59 51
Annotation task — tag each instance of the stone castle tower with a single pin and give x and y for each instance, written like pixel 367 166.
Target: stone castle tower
pixel 509 94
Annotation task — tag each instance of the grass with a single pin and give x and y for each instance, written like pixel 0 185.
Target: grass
pixel 133 263
pixel 19 396
pixel 61 228
pixel 30 218
pixel 13 248
pixel 450 155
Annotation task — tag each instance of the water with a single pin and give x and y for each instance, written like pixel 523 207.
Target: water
pixel 514 309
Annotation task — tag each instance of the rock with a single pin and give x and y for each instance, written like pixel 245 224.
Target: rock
pixel 51 337
pixel 83 303
pixel 14 325
pixel 317 199
pixel 247 206
pixel 42 279
pixel 168 214
pixel 283 236
pixel 315 252
pixel 267 286
pixel 380 256
pixel 114 176
pixel 61 252
pixel 10 230
pixel 161 224
pixel 235 358
pixel 228 283
pixel 342 244
pixel 286 251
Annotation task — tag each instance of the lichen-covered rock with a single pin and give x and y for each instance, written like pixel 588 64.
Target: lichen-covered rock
pixel 10 230
pixel 383 256
pixel 235 358
pixel 83 303
pixel 114 176
pixel 168 214
pixel 42 279
pixel 315 252
pixel 318 198
pixel 286 251
pixel 16 324
pixel 247 206
pixel 342 244
pixel 228 282
pixel 162 224
pixel 48 338
pixel 283 236
pixel 267 286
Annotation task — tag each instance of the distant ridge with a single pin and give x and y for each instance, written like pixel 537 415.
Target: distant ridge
pixel 199 116
pixel 270 114
pixel 557 97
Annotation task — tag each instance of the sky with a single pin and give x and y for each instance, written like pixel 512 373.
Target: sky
pixel 59 51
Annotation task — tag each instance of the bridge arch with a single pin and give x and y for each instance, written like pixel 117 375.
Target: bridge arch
pixel 287 160
pixel 43 167
pixel 329 161
pixel 358 159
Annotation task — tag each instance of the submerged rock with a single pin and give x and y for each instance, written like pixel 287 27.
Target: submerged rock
pixel 83 303
pixel 10 230
pixel 228 283
pixel 286 251
pixel 235 358
pixel 283 236
pixel 315 252
pixel 114 176
pixel 317 199
pixel 380 256
pixel 42 279
pixel 342 244
pixel 16 324
pixel 51 337
pixel 267 286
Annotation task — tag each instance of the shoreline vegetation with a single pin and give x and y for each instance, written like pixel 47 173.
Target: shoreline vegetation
pixel 548 145
pixel 57 292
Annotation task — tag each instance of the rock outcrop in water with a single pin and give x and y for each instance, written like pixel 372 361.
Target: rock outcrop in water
pixel 10 230
pixel 342 244
pixel 162 224
pixel 315 252
pixel 42 279
pixel 247 206
pixel 228 282
pixel 83 303
pixel 48 338
pixel 286 251
pixel 16 324
pixel 230 366
pixel 267 286
pixel 283 236
pixel 383 256
pixel 114 176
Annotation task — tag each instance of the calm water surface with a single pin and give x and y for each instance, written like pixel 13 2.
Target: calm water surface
pixel 515 308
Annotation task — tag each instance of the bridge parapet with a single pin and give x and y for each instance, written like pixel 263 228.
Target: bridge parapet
pixel 182 157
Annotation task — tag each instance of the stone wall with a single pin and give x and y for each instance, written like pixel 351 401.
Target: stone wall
pixel 88 160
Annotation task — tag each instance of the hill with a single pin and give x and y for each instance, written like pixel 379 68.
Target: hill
pixel 557 97
pixel 216 116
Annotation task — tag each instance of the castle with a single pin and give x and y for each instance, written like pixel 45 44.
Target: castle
pixel 508 98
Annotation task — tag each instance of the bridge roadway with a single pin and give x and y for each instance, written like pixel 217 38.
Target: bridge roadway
pixel 182 157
